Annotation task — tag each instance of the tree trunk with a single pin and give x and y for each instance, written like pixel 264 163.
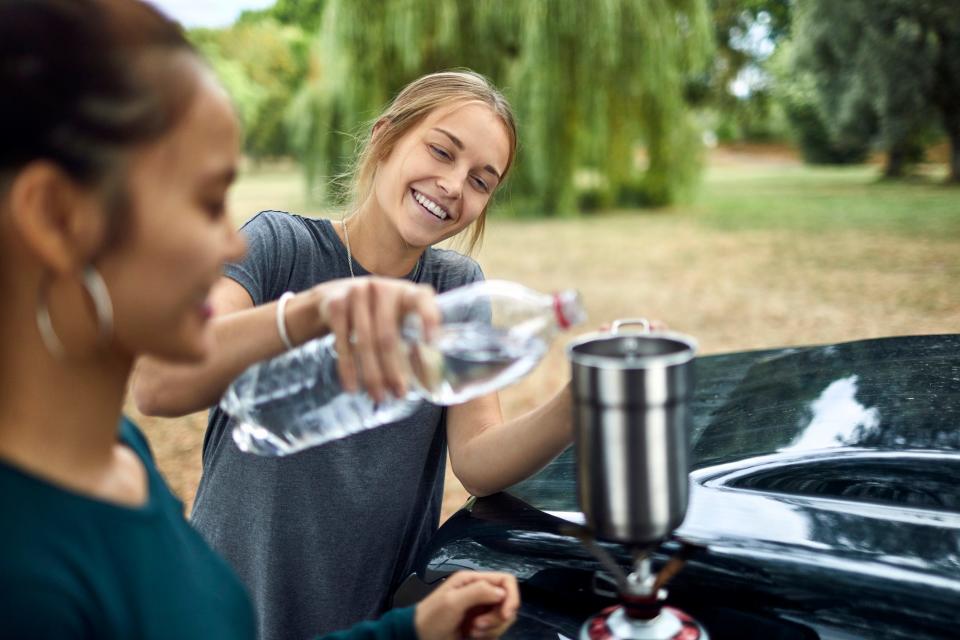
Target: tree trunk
pixel 895 162
pixel 953 159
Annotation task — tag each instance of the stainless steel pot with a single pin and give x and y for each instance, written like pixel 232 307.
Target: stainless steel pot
pixel 631 392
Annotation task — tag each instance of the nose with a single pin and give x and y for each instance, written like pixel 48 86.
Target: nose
pixel 451 183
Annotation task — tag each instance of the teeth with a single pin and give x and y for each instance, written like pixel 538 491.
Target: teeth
pixel 430 205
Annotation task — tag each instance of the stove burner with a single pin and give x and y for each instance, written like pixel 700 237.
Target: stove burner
pixel 641 614
pixel 614 623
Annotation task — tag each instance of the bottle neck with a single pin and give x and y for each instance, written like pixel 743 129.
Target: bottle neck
pixel 562 321
pixel 568 309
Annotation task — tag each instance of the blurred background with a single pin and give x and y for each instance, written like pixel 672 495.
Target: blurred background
pixel 755 173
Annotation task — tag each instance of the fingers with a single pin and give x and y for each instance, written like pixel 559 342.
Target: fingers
pixel 467 604
pixel 486 618
pixel 503 615
pixel 487 626
pixel 386 342
pixel 506 581
pixel 475 594
pixel 335 308
pixel 362 303
pixel 365 315
pixel 476 633
pixel 421 300
pixel 511 602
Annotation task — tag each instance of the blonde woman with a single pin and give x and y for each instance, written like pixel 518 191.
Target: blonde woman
pixel 335 529
pixel 118 150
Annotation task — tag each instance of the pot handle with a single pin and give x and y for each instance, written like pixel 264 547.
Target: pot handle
pixel 643 322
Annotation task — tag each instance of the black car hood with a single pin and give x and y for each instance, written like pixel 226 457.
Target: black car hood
pixel 825 500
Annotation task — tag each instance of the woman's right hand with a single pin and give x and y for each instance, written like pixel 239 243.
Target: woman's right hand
pixel 365 315
pixel 469 604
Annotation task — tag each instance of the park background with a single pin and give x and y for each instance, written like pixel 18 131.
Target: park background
pixel 756 173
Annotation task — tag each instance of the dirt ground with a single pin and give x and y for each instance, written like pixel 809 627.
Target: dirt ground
pixel 732 290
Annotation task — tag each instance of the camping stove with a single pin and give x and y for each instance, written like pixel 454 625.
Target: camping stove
pixel 641 614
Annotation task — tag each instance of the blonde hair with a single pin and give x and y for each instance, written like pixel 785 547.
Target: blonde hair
pixel 414 103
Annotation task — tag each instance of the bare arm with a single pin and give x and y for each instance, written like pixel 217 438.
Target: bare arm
pixel 488 455
pixel 242 334
pixel 363 313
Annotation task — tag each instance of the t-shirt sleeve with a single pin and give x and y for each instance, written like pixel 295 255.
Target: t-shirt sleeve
pixel 448 269
pixel 467 272
pixel 462 274
pixel 473 273
pixel 272 238
pixel 396 624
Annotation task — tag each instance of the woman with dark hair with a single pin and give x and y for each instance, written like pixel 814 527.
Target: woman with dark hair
pixel 117 148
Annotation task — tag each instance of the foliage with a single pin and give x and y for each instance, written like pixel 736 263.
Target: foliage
pixel 755 117
pixel 886 68
pixel 261 63
pixel 795 91
pixel 746 31
pixel 364 52
pixel 304 14
pixel 589 82
pixel 622 67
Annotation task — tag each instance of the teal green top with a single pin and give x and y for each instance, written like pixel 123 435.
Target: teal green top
pixel 76 567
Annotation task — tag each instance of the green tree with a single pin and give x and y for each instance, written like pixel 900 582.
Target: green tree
pixel 794 90
pixel 594 80
pixel 746 33
pixel 304 14
pixel 261 63
pixel 590 81
pixel 364 52
pixel 895 63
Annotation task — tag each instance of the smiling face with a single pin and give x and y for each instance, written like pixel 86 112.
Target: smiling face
pixel 440 176
pixel 178 235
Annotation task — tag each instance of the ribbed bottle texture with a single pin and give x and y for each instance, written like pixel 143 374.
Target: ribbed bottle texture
pixel 493 333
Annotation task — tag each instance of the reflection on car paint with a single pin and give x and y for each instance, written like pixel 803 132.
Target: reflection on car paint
pixel 825 503
pixel 837 418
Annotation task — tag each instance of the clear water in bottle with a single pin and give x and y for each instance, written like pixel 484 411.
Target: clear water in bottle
pixel 493 333
pixel 278 409
pixel 472 359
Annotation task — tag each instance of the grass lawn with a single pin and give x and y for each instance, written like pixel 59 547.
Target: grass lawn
pixel 770 253
pixel 825 200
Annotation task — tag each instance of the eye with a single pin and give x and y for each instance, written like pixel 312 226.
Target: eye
pixel 439 152
pixel 480 184
pixel 216 208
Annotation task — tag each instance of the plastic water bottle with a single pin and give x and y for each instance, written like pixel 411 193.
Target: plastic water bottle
pixel 493 333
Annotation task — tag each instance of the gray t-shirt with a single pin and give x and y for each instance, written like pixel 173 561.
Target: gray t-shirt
pixel 323 537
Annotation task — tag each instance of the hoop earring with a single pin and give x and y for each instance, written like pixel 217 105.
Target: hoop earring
pixel 96 288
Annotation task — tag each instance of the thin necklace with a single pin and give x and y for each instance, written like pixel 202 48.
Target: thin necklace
pixel 346 241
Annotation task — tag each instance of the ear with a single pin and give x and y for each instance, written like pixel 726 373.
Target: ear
pixel 60 221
